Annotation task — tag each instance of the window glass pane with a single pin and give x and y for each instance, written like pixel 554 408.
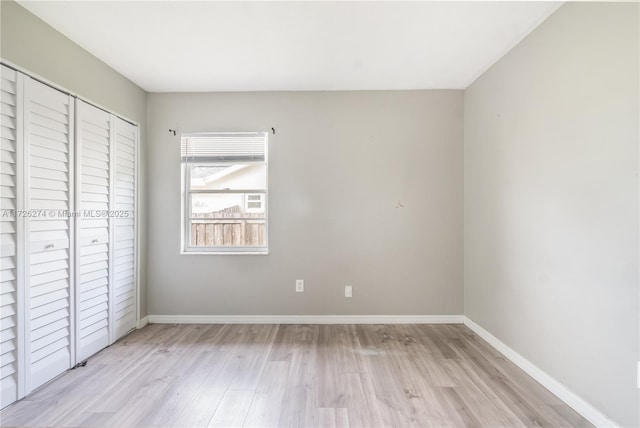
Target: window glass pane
pixel 227 205
pixel 233 176
pixel 228 233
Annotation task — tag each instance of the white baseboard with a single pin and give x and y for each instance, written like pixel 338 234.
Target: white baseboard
pixel 306 319
pixel 574 401
pixel 142 322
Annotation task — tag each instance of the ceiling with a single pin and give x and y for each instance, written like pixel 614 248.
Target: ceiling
pixel 184 46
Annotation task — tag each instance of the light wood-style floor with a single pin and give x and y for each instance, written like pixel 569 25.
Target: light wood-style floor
pixel 295 376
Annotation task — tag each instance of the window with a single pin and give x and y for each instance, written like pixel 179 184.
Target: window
pixel 224 182
pixel 255 203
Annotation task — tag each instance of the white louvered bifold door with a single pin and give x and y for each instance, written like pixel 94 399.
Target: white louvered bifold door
pixel 68 247
pixel 124 261
pixel 11 286
pixel 49 157
pixel 93 184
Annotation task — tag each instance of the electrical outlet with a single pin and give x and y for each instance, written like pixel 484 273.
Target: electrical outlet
pixel 348 291
pixel 299 285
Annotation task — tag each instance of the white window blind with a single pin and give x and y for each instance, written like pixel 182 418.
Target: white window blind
pixel 224 147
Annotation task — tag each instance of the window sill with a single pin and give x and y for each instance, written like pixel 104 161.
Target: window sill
pixel 224 253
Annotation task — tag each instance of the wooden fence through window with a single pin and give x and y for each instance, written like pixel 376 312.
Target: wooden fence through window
pixel 228 228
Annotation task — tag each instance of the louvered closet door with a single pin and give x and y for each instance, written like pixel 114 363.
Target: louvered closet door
pixel 10 273
pixel 49 153
pixel 124 263
pixel 93 146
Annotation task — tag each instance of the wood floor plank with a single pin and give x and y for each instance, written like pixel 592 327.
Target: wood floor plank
pixel 328 386
pixel 233 408
pixel 458 411
pixel 421 402
pixel 571 417
pixel 295 376
pixel 326 417
pixel 331 418
pixel 181 392
pixel 528 387
pixel 389 382
pixel 267 400
pixel 497 383
pixel 229 345
pixel 199 411
pixel 485 406
pixel 95 419
pixel 284 343
pixel 298 406
pixel 51 400
pixel 362 406
pixel 252 356
pixel 342 418
pixel 140 402
pixel 155 367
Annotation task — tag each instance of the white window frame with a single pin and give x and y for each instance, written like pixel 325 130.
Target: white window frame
pixel 186 217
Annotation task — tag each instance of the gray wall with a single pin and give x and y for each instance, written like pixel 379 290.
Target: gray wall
pixel 551 202
pixel 341 163
pixel 29 42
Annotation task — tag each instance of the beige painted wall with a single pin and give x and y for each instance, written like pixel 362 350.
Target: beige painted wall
pixel 341 163
pixel 32 44
pixel 551 202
